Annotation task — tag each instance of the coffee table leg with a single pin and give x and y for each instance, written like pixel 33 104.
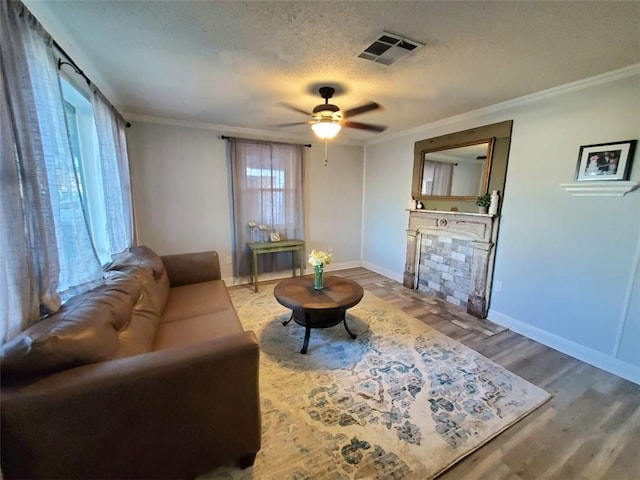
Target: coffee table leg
pixel 307 333
pixel 346 327
pixel 286 322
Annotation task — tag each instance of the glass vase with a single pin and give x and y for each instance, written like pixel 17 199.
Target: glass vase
pixel 317 278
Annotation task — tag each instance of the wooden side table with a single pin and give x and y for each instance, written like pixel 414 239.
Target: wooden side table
pixel 293 246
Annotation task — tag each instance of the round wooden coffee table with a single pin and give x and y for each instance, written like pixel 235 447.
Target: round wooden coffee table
pixel 318 308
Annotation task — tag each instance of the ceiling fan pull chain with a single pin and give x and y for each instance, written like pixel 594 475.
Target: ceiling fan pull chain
pixel 326 157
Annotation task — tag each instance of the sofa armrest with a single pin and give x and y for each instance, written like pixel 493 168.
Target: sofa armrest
pixel 174 413
pixel 187 268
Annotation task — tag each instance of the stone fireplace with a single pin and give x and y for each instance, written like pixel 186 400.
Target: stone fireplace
pixel 450 255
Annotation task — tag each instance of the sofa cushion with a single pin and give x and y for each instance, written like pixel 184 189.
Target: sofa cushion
pixel 192 331
pixel 84 330
pixel 139 256
pixel 188 268
pixel 139 333
pixel 196 299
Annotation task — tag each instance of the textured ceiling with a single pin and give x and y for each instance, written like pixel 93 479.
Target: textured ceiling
pixel 238 63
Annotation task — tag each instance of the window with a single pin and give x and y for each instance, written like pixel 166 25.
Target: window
pixel 84 148
pixel 267 189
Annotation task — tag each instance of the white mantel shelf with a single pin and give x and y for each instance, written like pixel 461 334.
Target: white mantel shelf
pixel 449 212
pixel 600 189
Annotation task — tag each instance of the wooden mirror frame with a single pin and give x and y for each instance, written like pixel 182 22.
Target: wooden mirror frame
pixel 417 189
pixel 496 169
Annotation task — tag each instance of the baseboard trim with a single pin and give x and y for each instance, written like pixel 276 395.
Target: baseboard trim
pixel 340 266
pixel 383 271
pixel 575 350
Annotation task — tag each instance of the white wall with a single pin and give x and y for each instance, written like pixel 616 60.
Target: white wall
pixel 334 201
pixel 387 184
pixel 569 265
pixel 181 192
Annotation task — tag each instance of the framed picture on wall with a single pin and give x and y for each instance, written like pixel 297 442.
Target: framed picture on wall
pixel 605 161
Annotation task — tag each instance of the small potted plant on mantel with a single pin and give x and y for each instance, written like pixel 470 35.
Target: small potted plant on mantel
pixel 483 202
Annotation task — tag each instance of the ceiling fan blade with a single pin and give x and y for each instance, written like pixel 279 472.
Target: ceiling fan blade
pixel 364 126
pixel 296 109
pixel 291 124
pixel 352 112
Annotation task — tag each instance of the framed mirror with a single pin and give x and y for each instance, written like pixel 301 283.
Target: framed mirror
pixel 455 171
pixel 492 140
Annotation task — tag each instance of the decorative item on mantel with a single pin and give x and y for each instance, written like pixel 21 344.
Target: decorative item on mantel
pixel 483 202
pixel 318 260
pixel 412 204
pixel 495 200
pixel 419 205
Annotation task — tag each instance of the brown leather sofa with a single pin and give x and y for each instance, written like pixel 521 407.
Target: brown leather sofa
pixel 148 376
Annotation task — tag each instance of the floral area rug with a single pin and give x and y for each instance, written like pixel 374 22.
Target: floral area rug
pixel 402 401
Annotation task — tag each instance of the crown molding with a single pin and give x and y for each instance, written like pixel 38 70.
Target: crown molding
pixel 611 76
pixel 604 78
pixel 230 129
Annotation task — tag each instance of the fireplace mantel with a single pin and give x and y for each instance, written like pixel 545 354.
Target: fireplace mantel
pixel 480 229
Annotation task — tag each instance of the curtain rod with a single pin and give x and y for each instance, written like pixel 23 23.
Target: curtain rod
pixel 79 71
pixel 308 145
pixel 70 62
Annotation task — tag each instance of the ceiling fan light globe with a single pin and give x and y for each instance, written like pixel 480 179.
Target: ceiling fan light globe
pixel 326 129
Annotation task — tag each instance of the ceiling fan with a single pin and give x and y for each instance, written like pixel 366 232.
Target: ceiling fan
pixel 328 119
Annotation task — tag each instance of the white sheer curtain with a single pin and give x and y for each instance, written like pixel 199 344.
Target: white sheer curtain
pixel 17 300
pixel 116 182
pixel 436 178
pixel 45 245
pixel 267 183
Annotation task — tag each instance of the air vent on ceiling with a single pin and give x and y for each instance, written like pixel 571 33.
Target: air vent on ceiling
pixel 389 48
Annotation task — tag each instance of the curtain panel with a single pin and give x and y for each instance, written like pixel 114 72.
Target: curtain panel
pixel 53 246
pixel 267 188
pixel 116 183
pixel 46 253
pixel 18 288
